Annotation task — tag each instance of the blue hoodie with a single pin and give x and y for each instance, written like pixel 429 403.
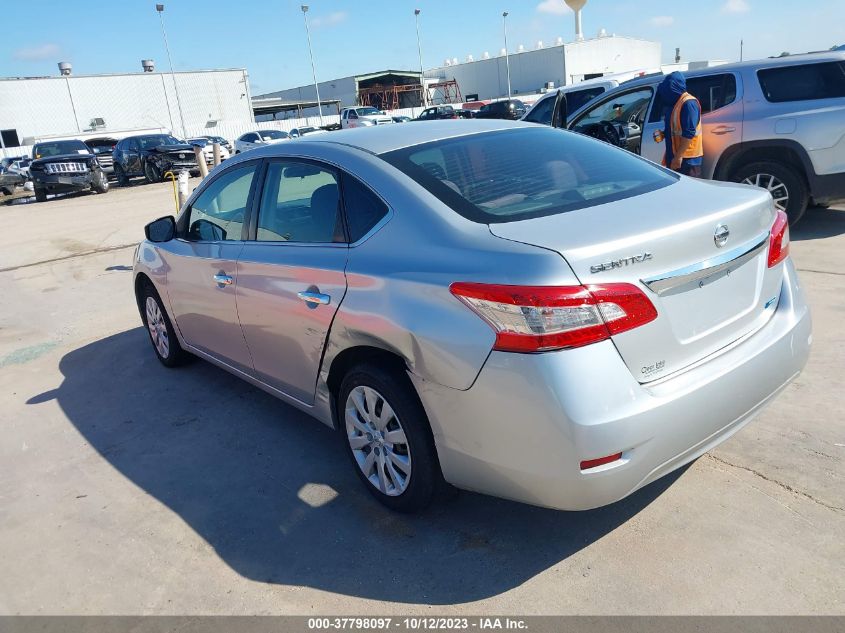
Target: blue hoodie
pixel 669 91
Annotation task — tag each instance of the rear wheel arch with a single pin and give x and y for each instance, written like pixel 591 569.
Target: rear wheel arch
pixel 738 156
pixel 359 355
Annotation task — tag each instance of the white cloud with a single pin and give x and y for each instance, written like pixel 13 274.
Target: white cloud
pixel 332 19
pixel 662 21
pixel 557 7
pixel 736 6
pixel 37 53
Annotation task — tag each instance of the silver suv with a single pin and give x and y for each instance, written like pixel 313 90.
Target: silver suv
pixel 774 123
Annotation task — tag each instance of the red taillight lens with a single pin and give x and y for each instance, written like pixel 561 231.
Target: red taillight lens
pixel 544 318
pixel 601 461
pixel 779 239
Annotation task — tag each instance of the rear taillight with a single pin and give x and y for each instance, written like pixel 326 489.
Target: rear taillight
pixel 779 239
pixel 544 318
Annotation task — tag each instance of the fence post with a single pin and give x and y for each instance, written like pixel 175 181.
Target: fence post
pixel 201 161
pixel 216 148
pixel 183 187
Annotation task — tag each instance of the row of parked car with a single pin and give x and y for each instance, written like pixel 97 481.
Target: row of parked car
pixel 367 116
pixel 70 165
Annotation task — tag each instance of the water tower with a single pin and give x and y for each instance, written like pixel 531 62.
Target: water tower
pixel 576 6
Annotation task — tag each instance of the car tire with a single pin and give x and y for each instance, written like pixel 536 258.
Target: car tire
pixel 382 454
pixel 151 172
pixel 120 176
pixel 40 195
pixel 778 178
pixel 160 330
pixel 101 183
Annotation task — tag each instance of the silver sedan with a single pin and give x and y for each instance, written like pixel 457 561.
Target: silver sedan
pixel 512 309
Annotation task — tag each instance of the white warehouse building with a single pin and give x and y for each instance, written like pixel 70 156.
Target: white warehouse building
pixel 81 105
pixel 531 71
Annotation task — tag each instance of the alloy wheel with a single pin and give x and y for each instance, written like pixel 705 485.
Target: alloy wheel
pixel 775 186
pixel 378 441
pixel 157 327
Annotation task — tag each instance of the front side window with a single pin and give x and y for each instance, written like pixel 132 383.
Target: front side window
pixel 629 107
pixel 523 173
pixel 273 135
pixel 804 82
pixel 299 204
pixel 352 115
pixel 218 212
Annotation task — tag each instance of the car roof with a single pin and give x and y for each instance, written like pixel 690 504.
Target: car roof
pixel 771 62
pixel 385 138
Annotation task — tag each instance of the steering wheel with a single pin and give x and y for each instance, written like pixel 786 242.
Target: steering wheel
pixel 611 133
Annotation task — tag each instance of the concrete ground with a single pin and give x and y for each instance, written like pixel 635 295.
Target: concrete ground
pixel 126 488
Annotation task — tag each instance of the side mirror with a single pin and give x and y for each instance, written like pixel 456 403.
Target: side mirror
pixel 559 112
pixel 161 230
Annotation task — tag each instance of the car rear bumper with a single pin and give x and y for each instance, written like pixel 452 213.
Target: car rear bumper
pixel 523 428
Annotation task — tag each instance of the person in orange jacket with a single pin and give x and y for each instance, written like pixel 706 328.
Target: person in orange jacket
pixel 681 127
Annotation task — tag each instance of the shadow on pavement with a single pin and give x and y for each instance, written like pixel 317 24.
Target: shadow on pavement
pixel 819 223
pixel 275 495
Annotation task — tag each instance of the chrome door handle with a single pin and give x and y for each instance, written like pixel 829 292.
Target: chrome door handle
pixel 222 280
pixel 723 129
pixel 314 299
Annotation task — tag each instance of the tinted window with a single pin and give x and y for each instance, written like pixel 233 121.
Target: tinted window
pixel 542 112
pixel 269 135
pixel 218 212
pixel 149 142
pixel 803 83
pixel 364 209
pixel 517 174
pixel 299 204
pixel 578 98
pixel 57 148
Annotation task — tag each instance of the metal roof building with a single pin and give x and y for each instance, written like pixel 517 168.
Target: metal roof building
pixel 34 107
pixel 561 64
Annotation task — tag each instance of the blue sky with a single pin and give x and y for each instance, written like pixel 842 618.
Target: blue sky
pixel 267 37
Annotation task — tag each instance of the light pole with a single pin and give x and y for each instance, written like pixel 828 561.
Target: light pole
pixel 304 8
pixel 507 59
pixel 160 9
pixel 419 52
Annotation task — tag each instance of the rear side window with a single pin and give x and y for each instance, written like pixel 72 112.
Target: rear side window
pixel 363 208
pixel 517 174
pixel 713 92
pixel 805 82
pixel 542 112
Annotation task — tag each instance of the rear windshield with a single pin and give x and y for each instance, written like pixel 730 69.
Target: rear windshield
pixel 511 175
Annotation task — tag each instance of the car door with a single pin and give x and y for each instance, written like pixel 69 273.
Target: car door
pixel 131 158
pixel 201 265
pixel 720 96
pixel 291 276
pixel 627 109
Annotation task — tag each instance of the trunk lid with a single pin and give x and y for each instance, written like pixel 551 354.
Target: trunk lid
pixel 664 242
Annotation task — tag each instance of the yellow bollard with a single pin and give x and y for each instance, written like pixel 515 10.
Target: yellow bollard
pixel 201 161
pixel 216 148
pixel 172 176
